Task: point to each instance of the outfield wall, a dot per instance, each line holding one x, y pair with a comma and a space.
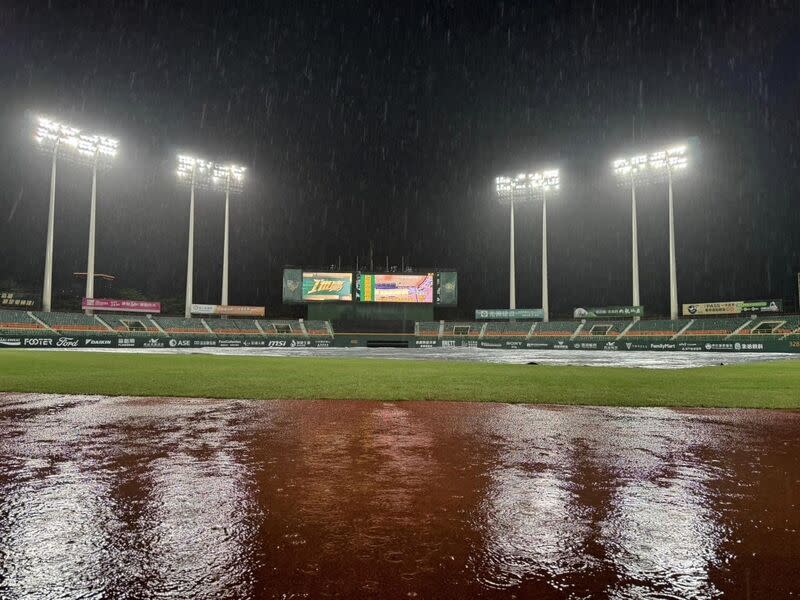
100, 341
696, 345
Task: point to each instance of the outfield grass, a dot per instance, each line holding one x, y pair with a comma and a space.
763, 385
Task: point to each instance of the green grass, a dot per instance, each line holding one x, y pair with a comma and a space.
763, 385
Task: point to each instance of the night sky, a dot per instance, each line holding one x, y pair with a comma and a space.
384, 124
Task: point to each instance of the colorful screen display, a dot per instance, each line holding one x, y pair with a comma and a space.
327, 287
397, 288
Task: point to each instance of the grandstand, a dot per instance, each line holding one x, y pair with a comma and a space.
554, 330
782, 332
763, 329
280, 328
508, 329
69, 323
233, 327
462, 330
180, 328
134, 325
714, 328
602, 331
429, 329
656, 330
318, 328
19, 322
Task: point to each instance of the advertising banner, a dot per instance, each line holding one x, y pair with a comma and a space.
397, 288
735, 307
446, 286
17, 300
506, 314
327, 287
292, 286
228, 311
134, 306
609, 312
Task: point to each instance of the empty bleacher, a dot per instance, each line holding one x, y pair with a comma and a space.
714, 328
768, 328
179, 327
18, 322
508, 329
281, 328
554, 330
462, 330
602, 330
131, 325
428, 328
317, 328
234, 327
656, 330
71, 322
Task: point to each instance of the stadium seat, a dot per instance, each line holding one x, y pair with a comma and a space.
714, 328
71, 322
554, 330
18, 322
655, 330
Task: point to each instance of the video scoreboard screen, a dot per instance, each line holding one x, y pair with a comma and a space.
327, 287
375, 287
439, 288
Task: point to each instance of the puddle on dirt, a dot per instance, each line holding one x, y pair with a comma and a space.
289, 499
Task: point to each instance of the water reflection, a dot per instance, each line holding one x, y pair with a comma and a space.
136, 498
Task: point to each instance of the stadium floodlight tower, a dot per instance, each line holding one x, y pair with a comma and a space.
97, 151
650, 168
208, 175
528, 187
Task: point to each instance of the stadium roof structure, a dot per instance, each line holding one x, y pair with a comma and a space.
527, 186
209, 175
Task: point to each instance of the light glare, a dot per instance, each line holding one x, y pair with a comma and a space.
525, 186
54, 136
210, 175
647, 168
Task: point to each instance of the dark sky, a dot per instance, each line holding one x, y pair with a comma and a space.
385, 123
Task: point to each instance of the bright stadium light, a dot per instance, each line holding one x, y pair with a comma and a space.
208, 175
68, 142
659, 166
527, 187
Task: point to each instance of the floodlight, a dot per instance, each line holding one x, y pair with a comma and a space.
652, 167
526, 186
208, 175
660, 166
72, 144
204, 174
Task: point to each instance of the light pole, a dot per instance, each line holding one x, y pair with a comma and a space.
203, 174
512, 284
643, 169
99, 148
68, 142
527, 187
225, 242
